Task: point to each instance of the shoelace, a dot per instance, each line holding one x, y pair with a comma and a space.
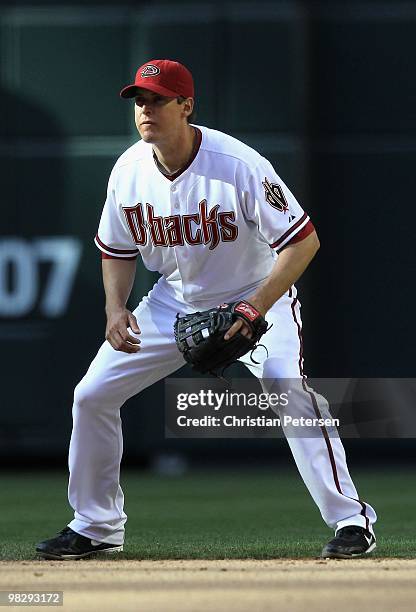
349, 531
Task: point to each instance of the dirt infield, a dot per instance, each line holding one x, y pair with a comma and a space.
214, 586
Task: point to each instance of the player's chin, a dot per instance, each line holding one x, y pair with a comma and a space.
148, 134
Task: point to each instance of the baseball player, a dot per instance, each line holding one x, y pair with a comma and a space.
211, 215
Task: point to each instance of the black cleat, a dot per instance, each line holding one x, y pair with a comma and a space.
351, 541
71, 545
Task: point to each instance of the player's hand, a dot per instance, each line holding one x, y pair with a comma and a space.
240, 325
117, 333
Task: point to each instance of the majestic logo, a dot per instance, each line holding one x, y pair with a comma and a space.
274, 195
150, 70
204, 227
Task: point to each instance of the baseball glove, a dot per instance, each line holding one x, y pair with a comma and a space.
200, 336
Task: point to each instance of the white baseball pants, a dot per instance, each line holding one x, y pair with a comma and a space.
96, 443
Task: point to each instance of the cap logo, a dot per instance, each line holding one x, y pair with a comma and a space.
150, 70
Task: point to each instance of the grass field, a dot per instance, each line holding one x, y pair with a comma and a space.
207, 515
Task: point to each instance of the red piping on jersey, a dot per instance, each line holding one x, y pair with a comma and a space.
106, 256
115, 251
289, 231
323, 428
299, 335
195, 150
304, 232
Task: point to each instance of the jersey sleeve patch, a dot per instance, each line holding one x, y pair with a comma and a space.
116, 253
274, 195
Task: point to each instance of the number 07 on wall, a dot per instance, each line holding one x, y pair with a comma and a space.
20, 282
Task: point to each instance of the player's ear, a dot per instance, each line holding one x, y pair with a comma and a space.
188, 106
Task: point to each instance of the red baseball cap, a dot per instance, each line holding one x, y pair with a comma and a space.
164, 77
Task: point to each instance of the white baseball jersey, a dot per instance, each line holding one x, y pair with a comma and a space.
215, 227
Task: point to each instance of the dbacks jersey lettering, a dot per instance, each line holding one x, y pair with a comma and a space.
204, 227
